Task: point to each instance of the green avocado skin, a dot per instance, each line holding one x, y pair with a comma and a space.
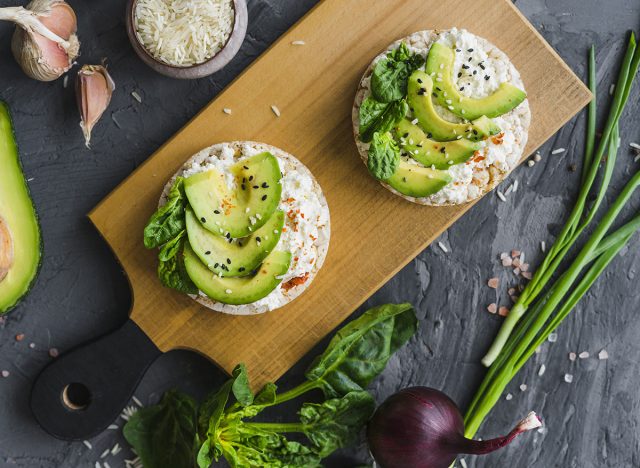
419, 92
440, 64
239, 257
431, 153
17, 210
242, 290
417, 181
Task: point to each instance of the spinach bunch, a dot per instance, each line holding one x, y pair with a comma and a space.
387, 105
383, 157
224, 427
166, 229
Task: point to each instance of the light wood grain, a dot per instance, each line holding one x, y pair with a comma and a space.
374, 233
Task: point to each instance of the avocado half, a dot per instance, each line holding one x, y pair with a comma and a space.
440, 64
20, 239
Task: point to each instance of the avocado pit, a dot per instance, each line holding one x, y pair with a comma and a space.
6, 249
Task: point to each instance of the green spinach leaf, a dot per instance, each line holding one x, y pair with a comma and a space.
380, 117
167, 222
391, 74
172, 272
361, 349
164, 435
173, 247
383, 156
335, 423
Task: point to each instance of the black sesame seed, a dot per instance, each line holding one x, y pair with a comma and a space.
228, 235
250, 178
230, 241
203, 219
228, 261
216, 211
419, 145
443, 149
243, 187
265, 185
466, 67
482, 66
239, 244
469, 50
246, 167
244, 179
461, 88
264, 197
258, 239
419, 81
470, 58
486, 77
459, 74
216, 265
429, 135
435, 94
404, 179
241, 269
438, 89
208, 252
475, 72
405, 135
255, 186
458, 50
475, 132
404, 154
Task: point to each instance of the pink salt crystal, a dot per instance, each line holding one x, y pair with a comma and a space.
53, 352
507, 262
516, 263
503, 311
527, 275
493, 283
5, 373
524, 267
512, 291
504, 255
515, 253
516, 271
492, 308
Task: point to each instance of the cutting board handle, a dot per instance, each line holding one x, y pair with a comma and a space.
84, 390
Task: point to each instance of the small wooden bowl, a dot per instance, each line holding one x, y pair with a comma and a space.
215, 63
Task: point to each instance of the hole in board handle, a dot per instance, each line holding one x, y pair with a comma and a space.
76, 396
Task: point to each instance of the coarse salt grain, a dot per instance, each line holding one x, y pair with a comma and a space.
537, 157
492, 308
531, 163
508, 397
275, 110
558, 150
552, 338
227, 111
572, 356
53, 352
298, 43
583, 355
568, 378
5, 373
602, 355
542, 370
523, 387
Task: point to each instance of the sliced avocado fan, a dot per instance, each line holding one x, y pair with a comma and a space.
233, 257
440, 64
238, 212
20, 240
236, 291
417, 181
419, 92
434, 154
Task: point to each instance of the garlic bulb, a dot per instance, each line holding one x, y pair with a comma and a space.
44, 44
6, 249
94, 88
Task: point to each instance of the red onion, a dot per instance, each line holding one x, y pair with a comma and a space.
420, 427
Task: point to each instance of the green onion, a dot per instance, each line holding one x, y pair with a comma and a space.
541, 307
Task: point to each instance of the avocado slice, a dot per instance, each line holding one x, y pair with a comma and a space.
235, 291
419, 92
234, 257
440, 64
236, 213
432, 153
417, 181
20, 240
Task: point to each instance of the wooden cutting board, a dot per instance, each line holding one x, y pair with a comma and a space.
374, 233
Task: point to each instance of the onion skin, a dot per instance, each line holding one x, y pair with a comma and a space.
421, 427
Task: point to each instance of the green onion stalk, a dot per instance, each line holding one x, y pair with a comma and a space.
542, 307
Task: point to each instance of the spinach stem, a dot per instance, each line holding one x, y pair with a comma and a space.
295, 392
277, 427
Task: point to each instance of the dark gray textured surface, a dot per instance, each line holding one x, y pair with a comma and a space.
81, 291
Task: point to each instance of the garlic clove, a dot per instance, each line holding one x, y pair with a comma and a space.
6, 249
94, 88
45, 44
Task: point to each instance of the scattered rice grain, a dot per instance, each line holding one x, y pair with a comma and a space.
602, 355
443, 247
275, 110
558, 150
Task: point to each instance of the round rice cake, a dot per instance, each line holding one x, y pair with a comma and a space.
306, 236
502, 153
